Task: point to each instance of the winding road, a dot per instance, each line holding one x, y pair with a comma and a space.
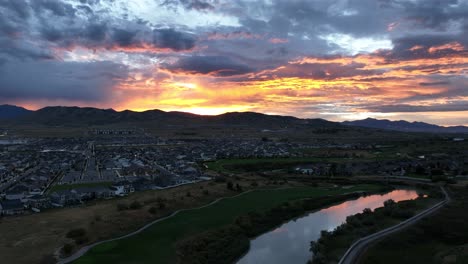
357, 248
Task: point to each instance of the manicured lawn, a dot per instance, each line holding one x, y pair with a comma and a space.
259, 164
234, 165
156, 244
74, 186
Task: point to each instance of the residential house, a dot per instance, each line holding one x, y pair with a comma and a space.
93, 192
122, 188
38, 201
17, 192
64, 197
12, 207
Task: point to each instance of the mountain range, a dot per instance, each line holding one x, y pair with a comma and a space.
405, 126
12, 111
87, 116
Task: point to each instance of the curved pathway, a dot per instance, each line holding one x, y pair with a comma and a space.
85, 249
357, 248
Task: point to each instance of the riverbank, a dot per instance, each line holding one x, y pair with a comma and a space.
442, 238
332, 245
157, 243
226, 244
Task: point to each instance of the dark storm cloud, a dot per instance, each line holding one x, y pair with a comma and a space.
104, 35
124, 38
172, 39
18, 7
59, 80
56, 7
323, 71
12, 50
60, 24
250, 41
95, 32
191, 4
434, 83
90, 2
434, 14
209, 65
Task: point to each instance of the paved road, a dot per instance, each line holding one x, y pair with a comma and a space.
354, 252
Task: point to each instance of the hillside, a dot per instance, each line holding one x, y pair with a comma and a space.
76, 116
405, 126
11, 111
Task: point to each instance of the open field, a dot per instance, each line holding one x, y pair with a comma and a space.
27, 238
236, 165
257, 164
156, 244
261, 164
441, 238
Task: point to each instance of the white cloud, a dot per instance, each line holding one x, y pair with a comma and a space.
158, 14
351, 45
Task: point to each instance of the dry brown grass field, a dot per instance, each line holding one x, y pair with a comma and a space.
28, 238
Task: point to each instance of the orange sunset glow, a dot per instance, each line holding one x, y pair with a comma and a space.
211, 58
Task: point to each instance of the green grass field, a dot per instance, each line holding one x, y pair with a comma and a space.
156, 244
235, 165
259, 164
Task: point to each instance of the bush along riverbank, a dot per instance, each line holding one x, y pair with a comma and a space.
332, 245
227, 244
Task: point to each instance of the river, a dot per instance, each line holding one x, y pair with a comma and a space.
290, 242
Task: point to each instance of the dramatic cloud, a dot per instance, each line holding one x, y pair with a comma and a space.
209, 65
84, 82
337, 59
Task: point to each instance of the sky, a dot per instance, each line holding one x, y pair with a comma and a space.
332, 59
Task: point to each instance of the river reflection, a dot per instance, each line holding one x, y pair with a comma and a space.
290, 242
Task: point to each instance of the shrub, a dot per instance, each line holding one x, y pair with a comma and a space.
81, 240
220, 179
48, 259
77, 232
122, 206
135, 205
389, 203
67, 249
153, 210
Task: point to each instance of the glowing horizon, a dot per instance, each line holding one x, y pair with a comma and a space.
209, 57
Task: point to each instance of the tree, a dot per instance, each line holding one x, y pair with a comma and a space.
389, 203
67, 249
77, 232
